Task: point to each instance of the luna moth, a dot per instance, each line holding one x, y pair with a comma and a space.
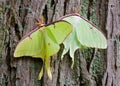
85, 34
43, 42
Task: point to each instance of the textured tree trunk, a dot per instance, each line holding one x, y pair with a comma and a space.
102, 9
18, 18
95, 60
112, 75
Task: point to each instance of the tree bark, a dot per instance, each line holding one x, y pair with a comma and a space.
112, 75
18, 18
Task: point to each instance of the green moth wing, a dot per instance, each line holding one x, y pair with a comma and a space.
28, 46
85, 34
43, 42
